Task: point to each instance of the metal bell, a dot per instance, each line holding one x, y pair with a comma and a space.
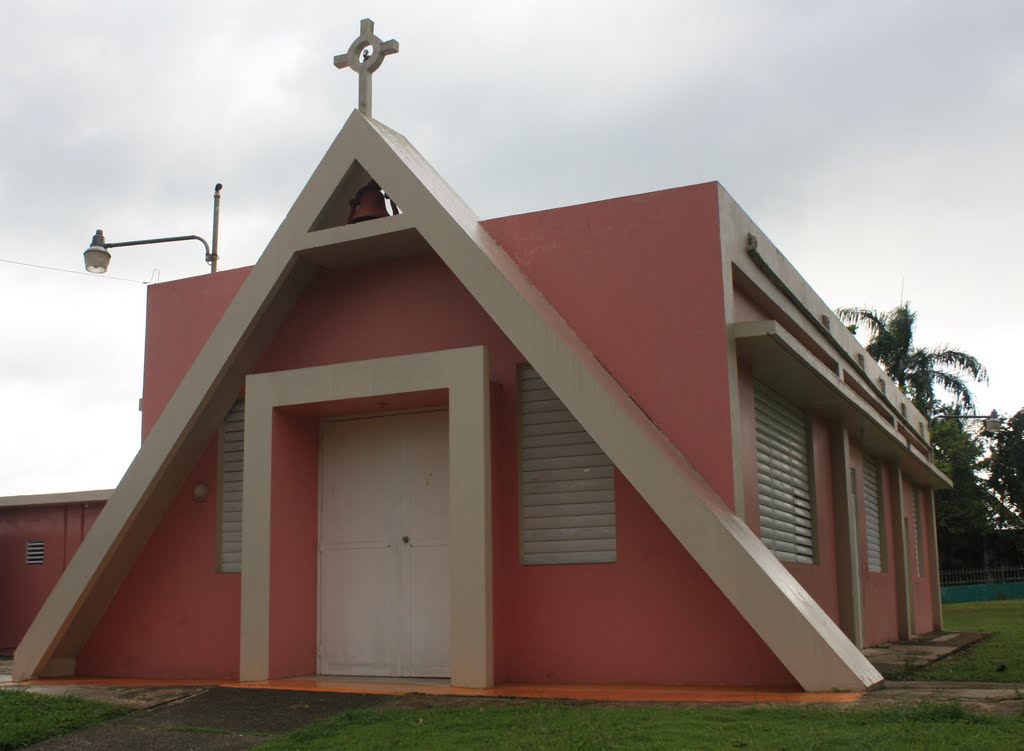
368, 204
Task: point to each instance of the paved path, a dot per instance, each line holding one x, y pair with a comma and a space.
211, 719
904, 656
988, 698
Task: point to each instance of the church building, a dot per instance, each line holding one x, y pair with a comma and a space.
617, 442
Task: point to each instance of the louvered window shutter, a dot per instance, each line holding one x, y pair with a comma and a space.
567, 483
230, 511
783, 477
873, 512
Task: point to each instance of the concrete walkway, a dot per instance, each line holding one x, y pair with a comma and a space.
210, 719
904, 656
987, 698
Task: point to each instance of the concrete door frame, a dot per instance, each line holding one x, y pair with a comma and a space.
464, 373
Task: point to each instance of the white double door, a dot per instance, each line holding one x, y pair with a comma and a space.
384, 573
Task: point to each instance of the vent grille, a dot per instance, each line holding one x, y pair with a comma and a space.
35, 552
783, 477
567, 483
230, 510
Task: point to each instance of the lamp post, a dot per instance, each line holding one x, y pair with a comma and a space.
97, 255
991, 422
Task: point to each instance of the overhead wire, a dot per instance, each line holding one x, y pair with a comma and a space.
71, 271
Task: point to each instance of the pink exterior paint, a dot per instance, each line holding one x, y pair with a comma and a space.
179, 318
174, 616
653, 616
920, 567
878, 589
293, 544
24, 588
639, 279
745, 309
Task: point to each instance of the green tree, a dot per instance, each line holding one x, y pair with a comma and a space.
963, 513
1006, 474
967, 515
919, 372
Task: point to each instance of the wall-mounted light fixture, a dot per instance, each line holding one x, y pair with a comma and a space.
97, 255
200, 492
991, 423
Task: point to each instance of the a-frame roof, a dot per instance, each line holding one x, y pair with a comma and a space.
792, 625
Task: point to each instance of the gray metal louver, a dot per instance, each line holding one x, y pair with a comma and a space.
873, 512
35, 552
783, 477
567, 483
229, 533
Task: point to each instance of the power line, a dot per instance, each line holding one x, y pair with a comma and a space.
70, 271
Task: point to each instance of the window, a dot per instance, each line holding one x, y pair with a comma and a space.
567, 483
783, 476
229, 510
35, 552
873, 517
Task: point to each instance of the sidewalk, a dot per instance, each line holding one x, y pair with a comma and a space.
903, 656
210, 719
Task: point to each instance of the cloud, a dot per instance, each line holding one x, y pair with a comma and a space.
877, 144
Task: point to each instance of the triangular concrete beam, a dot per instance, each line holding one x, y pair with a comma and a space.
790, 622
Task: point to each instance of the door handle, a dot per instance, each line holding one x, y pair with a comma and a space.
405, 538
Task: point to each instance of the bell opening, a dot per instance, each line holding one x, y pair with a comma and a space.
370, 202
354, 200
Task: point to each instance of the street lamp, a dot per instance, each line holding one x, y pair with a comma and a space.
97, 255
991, 422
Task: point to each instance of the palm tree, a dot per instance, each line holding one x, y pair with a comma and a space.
917, 371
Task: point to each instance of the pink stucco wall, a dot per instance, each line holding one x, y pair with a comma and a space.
639, 279
24, 588
179, 318
878, 589
293, 544
924, 620
651, 617
174, 616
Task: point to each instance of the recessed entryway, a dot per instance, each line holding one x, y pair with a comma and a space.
463, 373
384, 590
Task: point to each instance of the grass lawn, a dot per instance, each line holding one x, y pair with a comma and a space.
29, 718
581, 728
982, 661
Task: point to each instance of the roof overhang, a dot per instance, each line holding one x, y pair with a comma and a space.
55, 499
786, 365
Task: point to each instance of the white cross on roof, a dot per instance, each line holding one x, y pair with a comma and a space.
364, 56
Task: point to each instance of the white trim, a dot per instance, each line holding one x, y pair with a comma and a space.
55, 499
464, 373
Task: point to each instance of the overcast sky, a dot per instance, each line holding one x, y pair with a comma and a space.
879, 145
